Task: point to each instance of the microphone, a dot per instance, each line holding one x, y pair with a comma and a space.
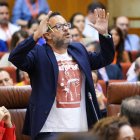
90, 97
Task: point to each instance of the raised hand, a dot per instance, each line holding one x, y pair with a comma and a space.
5, 116
42, 28
100, 21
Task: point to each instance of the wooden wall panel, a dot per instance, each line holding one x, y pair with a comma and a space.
66, 7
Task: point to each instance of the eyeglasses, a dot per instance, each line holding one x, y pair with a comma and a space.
75, 35
59, 27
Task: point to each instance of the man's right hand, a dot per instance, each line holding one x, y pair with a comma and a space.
42, 28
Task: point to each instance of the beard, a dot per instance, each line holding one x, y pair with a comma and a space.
4, 21
61, 43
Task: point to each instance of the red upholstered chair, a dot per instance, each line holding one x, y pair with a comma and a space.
125, 67
133, 55
12, 72
117, 91
15, 99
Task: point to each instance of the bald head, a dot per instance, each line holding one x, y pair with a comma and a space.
122, 22
5, 79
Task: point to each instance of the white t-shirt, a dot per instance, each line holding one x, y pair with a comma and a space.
68, 113
7, 34
90, 32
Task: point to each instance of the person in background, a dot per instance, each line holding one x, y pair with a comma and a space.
7, 129
24, 10
130, 108
7, 29
135, 76
132, 41
90, 32
75, 34
3, 46
102, 100
25, 80
78, 20
110, 72
17, 37
32, 26
5, 79
120, 54
113, 128
131, 70
93, 46
41, 16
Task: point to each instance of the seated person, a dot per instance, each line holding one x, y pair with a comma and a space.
7, 129
3, 46
132, 41
130, 108
99, 94
134, 74
113, 128
110, 72
5, 79
17, 37
121, 56
77, 36
25, 79
24, 10
93, 46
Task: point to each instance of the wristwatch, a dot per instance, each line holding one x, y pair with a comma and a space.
107, 35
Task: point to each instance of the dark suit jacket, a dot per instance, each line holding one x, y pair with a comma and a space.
41, 64
113, 72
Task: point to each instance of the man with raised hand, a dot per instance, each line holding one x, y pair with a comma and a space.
63, 97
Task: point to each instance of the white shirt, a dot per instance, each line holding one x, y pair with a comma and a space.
7, 34
103, 73
68, 113
90, 32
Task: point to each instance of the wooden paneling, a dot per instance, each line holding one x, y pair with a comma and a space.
66, 7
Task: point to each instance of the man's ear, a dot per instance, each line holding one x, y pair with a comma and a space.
47, 36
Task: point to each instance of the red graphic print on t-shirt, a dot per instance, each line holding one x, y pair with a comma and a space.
69, 85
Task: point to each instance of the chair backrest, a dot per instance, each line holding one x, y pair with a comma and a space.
125, 67
16, 99
118, 91
133, 55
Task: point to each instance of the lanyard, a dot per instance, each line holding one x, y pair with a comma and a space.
34, 12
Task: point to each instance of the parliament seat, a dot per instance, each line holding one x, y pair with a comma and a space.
16, 99
118, 91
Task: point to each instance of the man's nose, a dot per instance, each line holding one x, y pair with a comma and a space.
65, 28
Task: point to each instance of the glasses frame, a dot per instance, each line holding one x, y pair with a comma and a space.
68, 24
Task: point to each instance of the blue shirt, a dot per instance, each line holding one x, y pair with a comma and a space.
132, 42
21, 10
3, 46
